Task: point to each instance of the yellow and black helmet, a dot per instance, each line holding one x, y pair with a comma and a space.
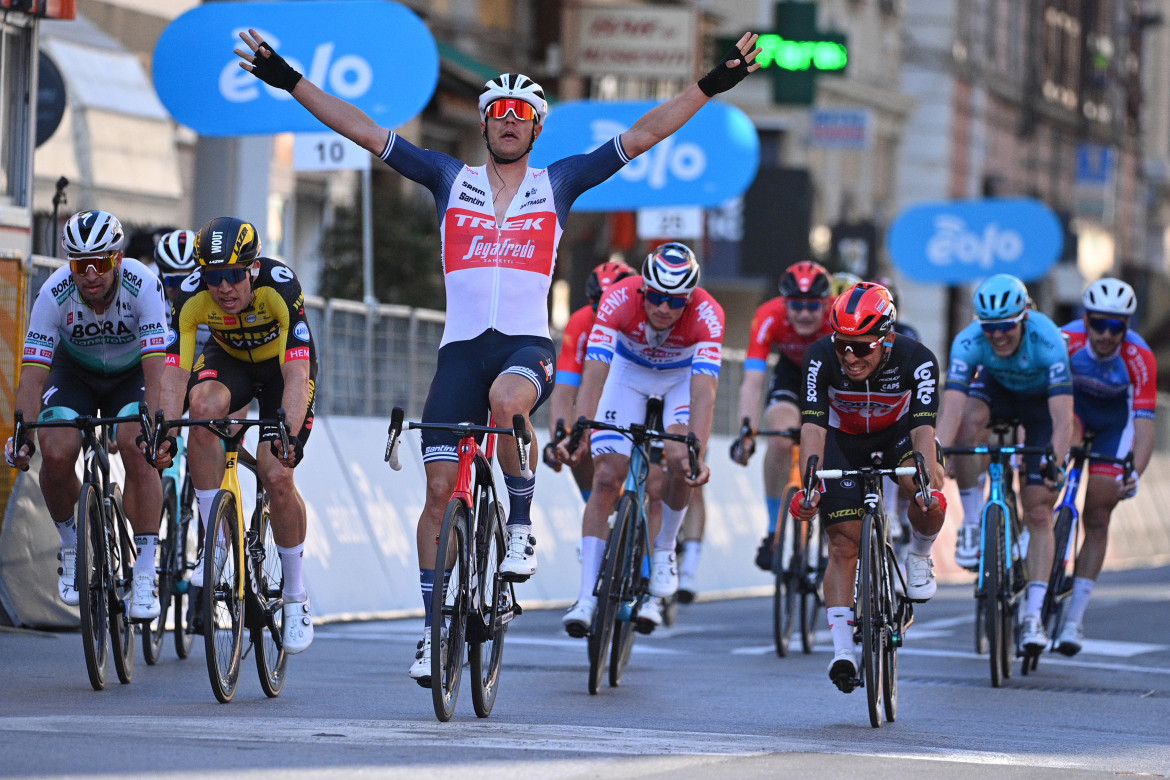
227, 241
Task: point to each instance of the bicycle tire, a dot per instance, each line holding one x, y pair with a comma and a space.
186, 592
1060, 580
869, 616
122, 629
271, 660
93, 601
634, 587
812, 599
601, 631
487, 656
223, 609
449, 609
995, 576
786, 593
154, 631
892, 608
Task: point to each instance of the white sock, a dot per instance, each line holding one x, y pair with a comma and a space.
672, 520
592, 551
841, 628
1034, 603
971, 500
919, 544
205, 498
146, 545
291, 559
692, 549
68, 532
1082, 592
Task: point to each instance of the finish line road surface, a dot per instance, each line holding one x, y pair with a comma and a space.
708, 698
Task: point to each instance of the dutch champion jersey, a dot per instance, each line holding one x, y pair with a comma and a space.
132, 327
497, 276
621, 328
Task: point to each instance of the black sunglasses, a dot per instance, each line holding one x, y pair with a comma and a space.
233, 276
658, 298
1111, 324
859, 348
798, 305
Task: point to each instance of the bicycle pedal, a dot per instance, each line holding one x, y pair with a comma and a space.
514, 578
517, 611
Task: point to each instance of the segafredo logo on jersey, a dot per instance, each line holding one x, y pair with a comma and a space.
200, 81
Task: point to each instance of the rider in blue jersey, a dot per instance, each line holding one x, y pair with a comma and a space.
1012, 363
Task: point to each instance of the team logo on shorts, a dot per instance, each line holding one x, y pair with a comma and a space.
549, 370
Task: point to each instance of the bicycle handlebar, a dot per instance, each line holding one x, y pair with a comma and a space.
638, 434
519, 432
84, 422
900, 471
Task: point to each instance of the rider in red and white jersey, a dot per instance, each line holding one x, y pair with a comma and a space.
500, 225
657, 334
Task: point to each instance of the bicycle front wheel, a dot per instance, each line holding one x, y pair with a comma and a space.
223, 608
1060, 581
155, 631
893, 609
449, 610
995, 586
634, 585
186, 541
869, 615
271, 660
608, 591
814, 561
122, 553
786, 593
91, 584
487, 656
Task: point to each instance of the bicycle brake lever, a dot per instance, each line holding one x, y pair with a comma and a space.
810, 480
523, 439
693, 454
394, 432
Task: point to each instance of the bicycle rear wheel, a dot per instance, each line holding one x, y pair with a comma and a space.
223, 607
995, 585
449, 610
91, 584
155, 631
185, 591
487, 655
271, 660
122, 554
607, 591
814, 560
869, 615
634, 585
786, 596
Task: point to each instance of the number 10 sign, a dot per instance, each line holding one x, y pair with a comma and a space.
328, 152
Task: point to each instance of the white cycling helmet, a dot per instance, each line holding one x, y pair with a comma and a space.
92, 232
1110, 296
514, 85
175, 252
672, 269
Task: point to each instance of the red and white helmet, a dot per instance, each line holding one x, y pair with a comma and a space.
864, 309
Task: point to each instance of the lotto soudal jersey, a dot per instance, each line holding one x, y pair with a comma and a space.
771, 328
623, 329
273, 325
573, 343
1038, 367
132, 327
1127, 379
497, 275
905, 386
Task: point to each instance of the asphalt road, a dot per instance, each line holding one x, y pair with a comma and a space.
707, 697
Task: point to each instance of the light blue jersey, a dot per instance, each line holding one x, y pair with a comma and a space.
1038, 367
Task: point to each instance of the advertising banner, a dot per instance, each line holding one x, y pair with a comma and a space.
377, 55
961, 241
711, 159
647, 41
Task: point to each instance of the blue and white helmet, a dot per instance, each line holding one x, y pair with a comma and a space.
1000, 297
672, 269
514, 85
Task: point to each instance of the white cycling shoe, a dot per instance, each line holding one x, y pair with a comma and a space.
579, 619
67, 581
920, 583
663, 573
520, 560
296, 631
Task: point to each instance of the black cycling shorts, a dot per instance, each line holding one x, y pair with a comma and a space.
1031, 410
82, 392
464, 376
786, 379
245, 381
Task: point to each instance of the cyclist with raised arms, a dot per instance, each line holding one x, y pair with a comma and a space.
1115, 380
658, 334
95, 344
500, 225
261, 348
1023, 373
569, 365
868, 390
789, 323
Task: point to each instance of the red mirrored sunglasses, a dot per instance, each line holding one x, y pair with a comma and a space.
518, 108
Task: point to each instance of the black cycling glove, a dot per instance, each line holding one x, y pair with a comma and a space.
722, 77
273, 70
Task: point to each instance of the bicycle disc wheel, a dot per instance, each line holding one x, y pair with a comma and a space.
449, 610
271, 660
784, 566
634, 586
607, 593
91, 585
223, 608
496, 598
891, 608
995, 576
812, 600
155, 631
869, 614
122, 629
183, 553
